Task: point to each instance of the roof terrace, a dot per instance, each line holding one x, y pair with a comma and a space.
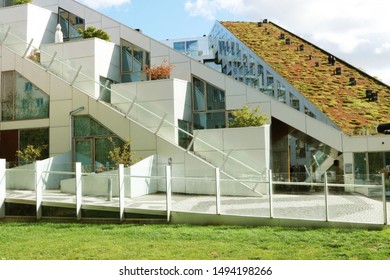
353, 100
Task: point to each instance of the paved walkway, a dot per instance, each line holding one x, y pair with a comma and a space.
342, 207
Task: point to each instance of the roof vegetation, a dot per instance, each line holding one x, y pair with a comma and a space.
337, 88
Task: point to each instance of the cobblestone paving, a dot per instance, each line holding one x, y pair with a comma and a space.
342, 207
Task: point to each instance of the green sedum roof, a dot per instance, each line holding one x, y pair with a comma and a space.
345, 104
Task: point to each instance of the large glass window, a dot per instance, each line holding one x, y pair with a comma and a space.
208, 105
368, 166
22, 100
70, 23
92, 143
36, 137
133, 62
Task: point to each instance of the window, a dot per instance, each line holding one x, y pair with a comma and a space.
70, 23
294, 101
21, 100
309, 113
208, 105
281, 92
188, 47
92, 143
133, 62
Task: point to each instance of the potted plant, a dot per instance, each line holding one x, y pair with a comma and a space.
159, 72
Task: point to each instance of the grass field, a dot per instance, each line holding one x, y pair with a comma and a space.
53, 241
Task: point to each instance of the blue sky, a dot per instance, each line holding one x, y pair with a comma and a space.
355, 30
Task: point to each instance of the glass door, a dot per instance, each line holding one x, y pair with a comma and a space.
84, 154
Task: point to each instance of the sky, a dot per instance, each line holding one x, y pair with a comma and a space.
357, 31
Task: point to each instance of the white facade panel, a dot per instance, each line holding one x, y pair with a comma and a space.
60, 140
59, 113
58, 89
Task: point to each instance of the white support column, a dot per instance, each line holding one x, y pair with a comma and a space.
326, 193
384, 199
79, 190
270, 193
121, 182
218, 191
38, 188
169, 191
2, 188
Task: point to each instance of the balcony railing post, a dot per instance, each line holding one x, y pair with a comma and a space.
79, 190
51, 62
218, 191
28, 48
161, 123
384, 199
168, 183
131, 106
2, 188
121, 182
6, 35
270, 190
75, 77
326, 193
38, 189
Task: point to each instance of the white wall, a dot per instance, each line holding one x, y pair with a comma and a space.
245, 152
141, 182
169, 96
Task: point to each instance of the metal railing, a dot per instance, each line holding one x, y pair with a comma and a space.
325, 202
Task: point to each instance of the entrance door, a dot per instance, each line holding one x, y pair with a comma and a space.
84, 154
9, 144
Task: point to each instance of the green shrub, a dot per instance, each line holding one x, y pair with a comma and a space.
246, 117
92, 32
121, 155
20, 2
30, 153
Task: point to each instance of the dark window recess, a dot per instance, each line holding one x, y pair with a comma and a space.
288, 41
338, 71
352, 81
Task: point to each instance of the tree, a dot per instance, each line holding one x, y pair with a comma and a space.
162, 71
121, 155
246, 117
30, 153
92, 32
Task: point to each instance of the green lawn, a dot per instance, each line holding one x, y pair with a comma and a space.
46, 241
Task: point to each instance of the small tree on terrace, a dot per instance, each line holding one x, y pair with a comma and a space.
92, 32
159, 72
246, 117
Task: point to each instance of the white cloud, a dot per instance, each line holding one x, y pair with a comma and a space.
101, 4
385, 47
343, 27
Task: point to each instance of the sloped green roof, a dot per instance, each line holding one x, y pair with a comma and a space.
346, 105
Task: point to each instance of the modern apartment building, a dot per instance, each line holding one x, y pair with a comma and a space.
78, 95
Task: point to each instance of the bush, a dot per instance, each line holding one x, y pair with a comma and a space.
92, 32
20, 2
30, 153
162, 71
246, 117
121, 155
